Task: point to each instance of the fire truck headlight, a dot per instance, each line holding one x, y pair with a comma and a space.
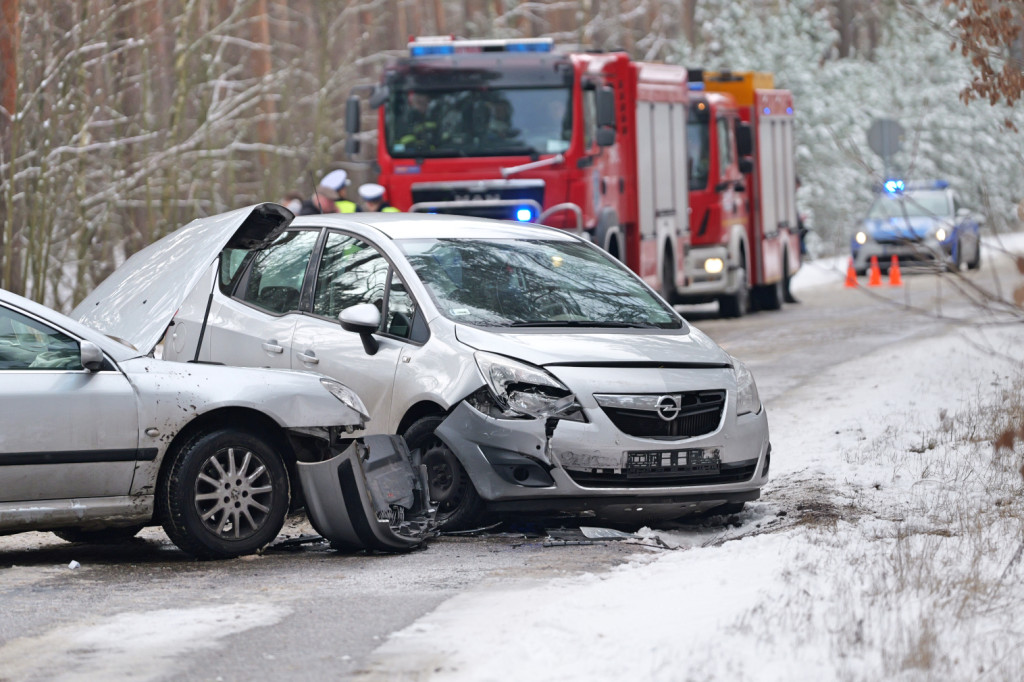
713, 266
861, 238
524, 215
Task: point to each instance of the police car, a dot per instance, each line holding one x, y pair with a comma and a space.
920, 224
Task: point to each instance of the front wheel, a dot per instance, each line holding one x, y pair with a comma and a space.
975, 261
458, 503
226, 494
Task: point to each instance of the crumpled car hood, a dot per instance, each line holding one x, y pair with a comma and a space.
137, 301
600, 348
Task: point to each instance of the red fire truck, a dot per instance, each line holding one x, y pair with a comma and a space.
513, 129
743, 220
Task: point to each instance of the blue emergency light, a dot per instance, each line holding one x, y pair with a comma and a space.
529, 47
431, 50
524, 215
894, 186
696, 85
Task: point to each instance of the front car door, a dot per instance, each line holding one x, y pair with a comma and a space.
351, 271
65, 432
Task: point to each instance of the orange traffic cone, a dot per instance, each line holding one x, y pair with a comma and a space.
895, 280
851, 276
875, 278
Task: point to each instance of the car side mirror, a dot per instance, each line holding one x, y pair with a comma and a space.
363, 319
605, 137
746, 165
91, 356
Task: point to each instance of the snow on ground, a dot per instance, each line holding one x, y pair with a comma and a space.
887, 546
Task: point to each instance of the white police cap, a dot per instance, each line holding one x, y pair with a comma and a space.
371, 191
336, 179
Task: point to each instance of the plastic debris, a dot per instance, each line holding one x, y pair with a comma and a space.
74, 564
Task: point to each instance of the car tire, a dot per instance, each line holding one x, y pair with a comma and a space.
458, 504
114, 535
975, 262
736, 304
226, 493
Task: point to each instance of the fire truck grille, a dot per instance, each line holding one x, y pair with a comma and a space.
699, 413
501, 200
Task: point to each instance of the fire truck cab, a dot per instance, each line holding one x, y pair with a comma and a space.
742, 182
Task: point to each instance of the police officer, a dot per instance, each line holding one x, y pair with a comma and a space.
372, 195
338, 180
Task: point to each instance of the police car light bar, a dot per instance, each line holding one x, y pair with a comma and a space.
429, 46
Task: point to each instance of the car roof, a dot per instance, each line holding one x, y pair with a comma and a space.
399, 226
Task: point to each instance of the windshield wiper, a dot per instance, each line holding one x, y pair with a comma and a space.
584, 323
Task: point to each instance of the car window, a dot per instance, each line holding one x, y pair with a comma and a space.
520, 282
725, 146
401, 313
28, 344
274, 281
351, 272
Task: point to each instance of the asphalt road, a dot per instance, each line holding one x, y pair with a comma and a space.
145, 611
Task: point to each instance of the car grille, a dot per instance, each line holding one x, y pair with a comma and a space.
700, 412
728, 472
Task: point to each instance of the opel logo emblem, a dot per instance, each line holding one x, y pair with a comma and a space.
668, 407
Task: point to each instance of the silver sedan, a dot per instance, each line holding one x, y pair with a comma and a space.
98, 440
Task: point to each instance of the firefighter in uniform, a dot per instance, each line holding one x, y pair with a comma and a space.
338, 181
372, 195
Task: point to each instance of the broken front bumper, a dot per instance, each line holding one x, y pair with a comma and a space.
370, 496
581, 469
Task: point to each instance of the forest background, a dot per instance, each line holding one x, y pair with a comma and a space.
121, 120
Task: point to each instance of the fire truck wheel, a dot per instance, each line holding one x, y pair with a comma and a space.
668, 279
769, 296
737, 304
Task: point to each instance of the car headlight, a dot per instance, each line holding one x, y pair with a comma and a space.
747, 399
525, 389
347, 397
941, 234
861, 238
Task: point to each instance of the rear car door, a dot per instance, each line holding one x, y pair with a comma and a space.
352, 271
254, 327
65, 432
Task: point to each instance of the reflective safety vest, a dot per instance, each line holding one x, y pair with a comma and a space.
346, 206
389, 209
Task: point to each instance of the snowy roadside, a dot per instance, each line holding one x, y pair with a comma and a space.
883, 548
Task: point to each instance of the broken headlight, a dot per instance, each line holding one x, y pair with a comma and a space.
521, 389
347, 397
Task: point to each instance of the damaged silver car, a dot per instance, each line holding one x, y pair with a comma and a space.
99, 439
530, 370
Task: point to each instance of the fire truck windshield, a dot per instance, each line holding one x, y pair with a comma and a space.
478, 121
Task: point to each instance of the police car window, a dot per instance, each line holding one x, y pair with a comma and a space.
351, 272
274, 281
26, 344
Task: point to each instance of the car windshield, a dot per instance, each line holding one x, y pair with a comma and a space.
923, 203
533, 283
478, 121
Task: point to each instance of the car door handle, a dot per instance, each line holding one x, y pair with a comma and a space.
309, 357
272, 347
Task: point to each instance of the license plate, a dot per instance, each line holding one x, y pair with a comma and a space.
695, 461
